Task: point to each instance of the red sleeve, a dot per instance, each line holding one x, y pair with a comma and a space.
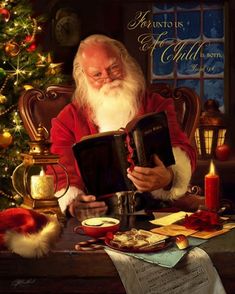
155, 102
63, 136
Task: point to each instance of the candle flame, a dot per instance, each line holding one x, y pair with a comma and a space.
212, 168
42, 173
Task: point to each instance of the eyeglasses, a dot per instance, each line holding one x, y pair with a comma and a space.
113, 72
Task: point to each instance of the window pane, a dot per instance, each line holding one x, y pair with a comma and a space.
161, 67
164, 23
193, 84
191, 25
191, 64
214, 58
214, 89
213, 23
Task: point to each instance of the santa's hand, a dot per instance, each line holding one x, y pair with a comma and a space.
85, 206
147, 179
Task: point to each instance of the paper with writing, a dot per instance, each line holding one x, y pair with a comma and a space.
196, 274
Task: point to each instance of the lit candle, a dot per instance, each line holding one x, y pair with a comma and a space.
42, 186
212, 183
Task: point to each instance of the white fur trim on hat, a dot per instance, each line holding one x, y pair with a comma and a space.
36, 244
68, 197
182, 175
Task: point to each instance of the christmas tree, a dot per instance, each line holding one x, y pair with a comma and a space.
23, 65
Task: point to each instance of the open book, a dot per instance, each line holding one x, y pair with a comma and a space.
103, 158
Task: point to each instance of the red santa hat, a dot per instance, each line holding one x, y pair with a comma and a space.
27, 232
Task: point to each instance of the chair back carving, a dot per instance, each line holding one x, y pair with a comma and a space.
187, 105
39, 107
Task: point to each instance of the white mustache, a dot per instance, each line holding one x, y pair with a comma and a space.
109, 86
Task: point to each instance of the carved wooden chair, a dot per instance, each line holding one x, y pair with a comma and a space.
187, 105
37, 106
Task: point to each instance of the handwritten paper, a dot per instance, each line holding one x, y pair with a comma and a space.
170, 219
196, 274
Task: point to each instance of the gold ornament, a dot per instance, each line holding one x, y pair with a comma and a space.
54, 68
12, 49
28, 87
3, 99
43, 60
5, 139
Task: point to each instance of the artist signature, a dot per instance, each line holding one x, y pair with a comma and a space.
22, 282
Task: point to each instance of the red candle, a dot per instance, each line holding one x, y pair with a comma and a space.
212, 181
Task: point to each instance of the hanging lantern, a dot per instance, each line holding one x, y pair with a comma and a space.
32, 183
211, 130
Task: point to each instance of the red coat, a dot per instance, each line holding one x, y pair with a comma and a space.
73, 123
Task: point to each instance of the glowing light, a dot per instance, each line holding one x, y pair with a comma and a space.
17, 71
212, 168
18, 128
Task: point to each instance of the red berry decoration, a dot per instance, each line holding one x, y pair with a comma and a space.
28, 39
32, 47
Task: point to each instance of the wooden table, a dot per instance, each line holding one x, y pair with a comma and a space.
66, 270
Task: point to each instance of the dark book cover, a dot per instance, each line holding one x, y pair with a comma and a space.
103, 158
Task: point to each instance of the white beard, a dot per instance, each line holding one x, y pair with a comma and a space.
113, 105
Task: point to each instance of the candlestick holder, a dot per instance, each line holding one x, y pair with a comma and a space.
31, 182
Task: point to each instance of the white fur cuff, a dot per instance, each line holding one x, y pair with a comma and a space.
182, 175
68, 197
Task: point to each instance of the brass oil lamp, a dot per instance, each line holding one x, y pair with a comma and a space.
32, 183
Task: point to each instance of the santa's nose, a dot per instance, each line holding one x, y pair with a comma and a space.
107, 77
108, 80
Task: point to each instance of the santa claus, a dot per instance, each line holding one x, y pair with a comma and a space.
110, 91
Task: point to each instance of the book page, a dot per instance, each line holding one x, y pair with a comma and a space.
196, 274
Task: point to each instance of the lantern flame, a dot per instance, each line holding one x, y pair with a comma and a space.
212, 168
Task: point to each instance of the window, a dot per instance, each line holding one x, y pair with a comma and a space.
189, 47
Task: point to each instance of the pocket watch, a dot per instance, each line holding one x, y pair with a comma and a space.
67, 28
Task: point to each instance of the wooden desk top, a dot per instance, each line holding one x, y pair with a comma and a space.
66, 270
